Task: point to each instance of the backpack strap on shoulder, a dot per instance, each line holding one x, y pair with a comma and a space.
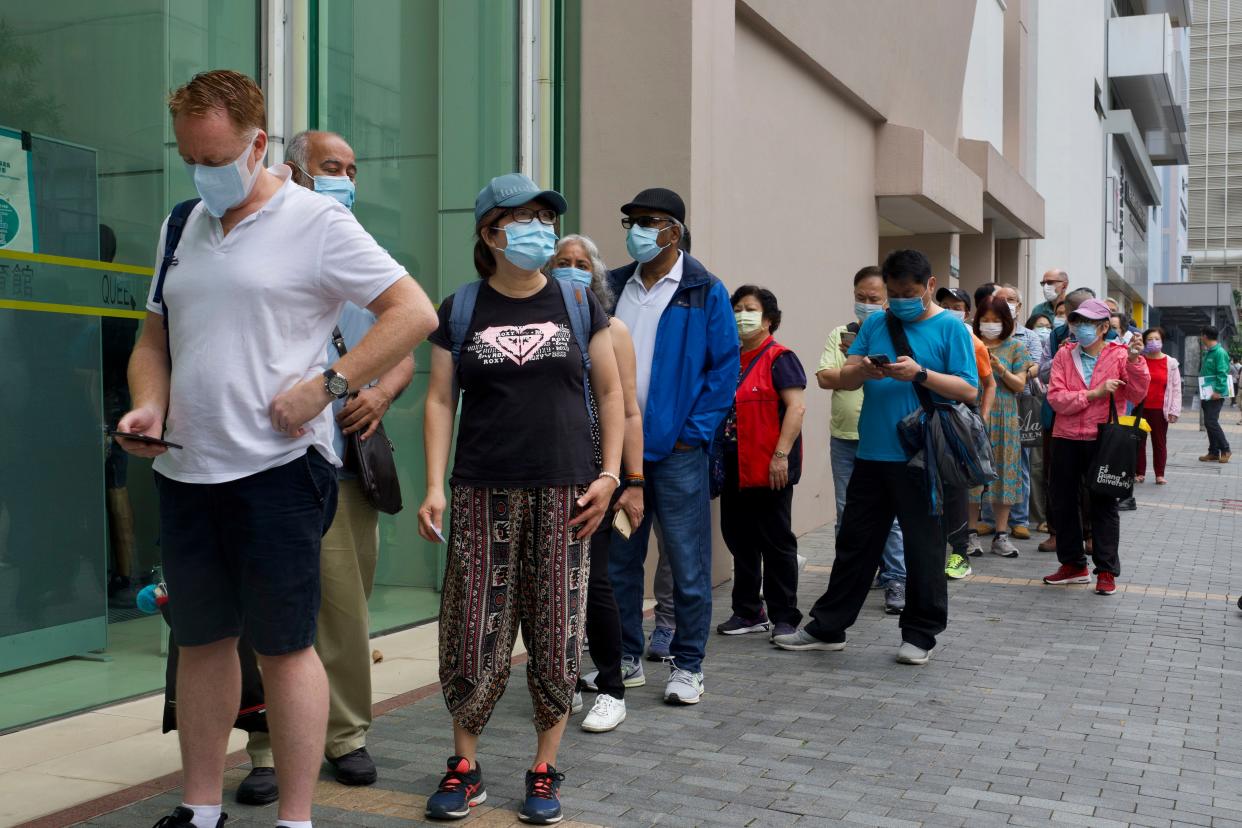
464, 300
901, 344
578, 306
172, 237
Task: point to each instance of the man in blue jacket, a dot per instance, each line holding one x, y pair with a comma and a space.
686, 347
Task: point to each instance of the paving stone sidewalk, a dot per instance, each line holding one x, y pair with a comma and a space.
1042, 706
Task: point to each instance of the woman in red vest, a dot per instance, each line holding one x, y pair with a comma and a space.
763, 460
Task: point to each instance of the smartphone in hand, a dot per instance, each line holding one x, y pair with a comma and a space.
142, 438
878, 360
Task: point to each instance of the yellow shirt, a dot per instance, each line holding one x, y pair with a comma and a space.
846, 405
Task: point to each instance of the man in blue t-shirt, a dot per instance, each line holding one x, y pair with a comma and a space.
883, 486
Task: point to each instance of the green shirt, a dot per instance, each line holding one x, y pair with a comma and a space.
1214, 367
846, 405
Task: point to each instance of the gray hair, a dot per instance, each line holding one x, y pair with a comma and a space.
599, 271
298, 149
1016, 292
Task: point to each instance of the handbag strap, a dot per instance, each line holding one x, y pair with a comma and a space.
762, 351
1113, 419
897, 333
338, 340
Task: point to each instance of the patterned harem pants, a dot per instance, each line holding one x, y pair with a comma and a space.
512, 560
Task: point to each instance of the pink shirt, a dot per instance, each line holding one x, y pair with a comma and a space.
1078, 418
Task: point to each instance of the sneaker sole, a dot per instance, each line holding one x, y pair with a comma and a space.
1106, 591
893, 610
824, 646
1012, 554
1085, 579
914, 662
669, 699
477, 800
541, 820
960, 575
634, 682
598, 729
743, 630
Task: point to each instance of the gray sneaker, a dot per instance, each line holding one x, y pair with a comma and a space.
576, 707
907, 653
895, 597
803, 640
1003, 546
973, 547
683, 687
631, 675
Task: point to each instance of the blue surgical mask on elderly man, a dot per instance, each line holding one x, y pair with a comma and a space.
530, 244
864, 309
338, 187
573, 275
642, 245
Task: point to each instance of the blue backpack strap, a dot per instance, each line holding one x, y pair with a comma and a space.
464, 300
172, 237
578, 306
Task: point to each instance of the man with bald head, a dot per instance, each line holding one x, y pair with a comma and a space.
1054, 284
325, 162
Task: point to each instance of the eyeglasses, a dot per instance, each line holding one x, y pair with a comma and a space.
1053, 282
646, 222
523, 215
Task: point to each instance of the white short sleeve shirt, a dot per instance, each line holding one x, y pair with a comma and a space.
248, 316
640, 309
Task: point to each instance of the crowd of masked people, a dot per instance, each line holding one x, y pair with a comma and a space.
585, 409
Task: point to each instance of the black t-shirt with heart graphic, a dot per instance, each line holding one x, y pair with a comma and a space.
524, 421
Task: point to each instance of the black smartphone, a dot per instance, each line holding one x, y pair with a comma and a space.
878, 360
142, 438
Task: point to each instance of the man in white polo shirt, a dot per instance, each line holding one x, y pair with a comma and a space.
229, 366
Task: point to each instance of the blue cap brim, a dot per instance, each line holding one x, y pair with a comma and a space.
554, 200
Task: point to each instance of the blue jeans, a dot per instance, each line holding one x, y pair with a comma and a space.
893, 561
1020, 512
677, 496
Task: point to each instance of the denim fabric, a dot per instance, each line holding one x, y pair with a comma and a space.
676, 496
843, 454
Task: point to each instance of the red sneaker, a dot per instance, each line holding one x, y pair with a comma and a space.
1105, 584
1069, 575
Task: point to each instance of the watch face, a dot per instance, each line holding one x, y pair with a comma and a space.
338, 386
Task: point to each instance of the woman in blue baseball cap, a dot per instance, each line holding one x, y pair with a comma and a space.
533, 358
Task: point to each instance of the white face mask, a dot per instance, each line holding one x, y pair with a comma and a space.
1013, 310
991, 330
959, 315
1050, 292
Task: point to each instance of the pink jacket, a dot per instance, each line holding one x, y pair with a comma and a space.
1079, 417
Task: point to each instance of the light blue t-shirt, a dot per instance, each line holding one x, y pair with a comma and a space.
940, 343
1088, 365
354, 324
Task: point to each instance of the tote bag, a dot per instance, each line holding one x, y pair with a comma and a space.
1116, 456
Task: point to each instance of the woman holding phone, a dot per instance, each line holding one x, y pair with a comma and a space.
527, 491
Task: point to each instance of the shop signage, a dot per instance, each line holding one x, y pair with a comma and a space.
17, 222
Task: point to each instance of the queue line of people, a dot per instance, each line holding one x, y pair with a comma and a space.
594, 405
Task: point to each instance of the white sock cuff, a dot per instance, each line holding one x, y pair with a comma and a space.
205, 816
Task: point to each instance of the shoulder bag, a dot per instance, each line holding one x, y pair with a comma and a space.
372, 459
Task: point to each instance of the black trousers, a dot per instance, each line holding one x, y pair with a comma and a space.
1217, 444
755, 525
603, 621
877, 493
955, 519
1071, 461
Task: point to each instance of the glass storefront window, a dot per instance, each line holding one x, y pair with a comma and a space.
82, 89
425, 92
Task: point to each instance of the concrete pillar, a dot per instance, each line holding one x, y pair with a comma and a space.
978, 258
1008, 262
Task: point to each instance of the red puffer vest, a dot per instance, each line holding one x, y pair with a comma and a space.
759, 413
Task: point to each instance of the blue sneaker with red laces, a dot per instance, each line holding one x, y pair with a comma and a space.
460, 790
543, 801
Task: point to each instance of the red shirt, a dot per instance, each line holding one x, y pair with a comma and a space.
1159, 369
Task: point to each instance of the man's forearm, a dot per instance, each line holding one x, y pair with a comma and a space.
392, 338
149, 378
950, 387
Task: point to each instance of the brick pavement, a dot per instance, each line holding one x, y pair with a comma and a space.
1042, 705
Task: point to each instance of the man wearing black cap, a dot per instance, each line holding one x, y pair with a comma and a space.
686, 347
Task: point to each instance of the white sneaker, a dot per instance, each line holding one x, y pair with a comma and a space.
908, 653
576, 707
683, 687
607, 713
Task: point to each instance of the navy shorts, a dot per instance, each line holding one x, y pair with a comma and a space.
245, 554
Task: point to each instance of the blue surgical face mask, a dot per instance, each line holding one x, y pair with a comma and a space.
1086, 334
907, 310
338, 187
1044, 333
1060, 322
223, 188
864, 309
641, 243
574, 275
530, 245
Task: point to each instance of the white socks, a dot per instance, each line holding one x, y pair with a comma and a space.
205, 816
288, 823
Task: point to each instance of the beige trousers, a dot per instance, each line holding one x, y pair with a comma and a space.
347, 562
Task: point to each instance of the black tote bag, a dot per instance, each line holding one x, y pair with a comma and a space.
1116, 455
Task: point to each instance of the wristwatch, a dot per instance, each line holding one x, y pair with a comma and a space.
921, 376
780, 455
335, 384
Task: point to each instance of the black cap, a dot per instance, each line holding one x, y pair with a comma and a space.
658, 198
956, 293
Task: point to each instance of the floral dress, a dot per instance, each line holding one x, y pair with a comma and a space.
1003, 427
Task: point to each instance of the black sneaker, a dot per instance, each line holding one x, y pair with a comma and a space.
259, 787
1126, 504
460, 790
183, 816
354, 768
543, 801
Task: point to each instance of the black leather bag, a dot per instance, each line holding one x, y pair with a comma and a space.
372, 459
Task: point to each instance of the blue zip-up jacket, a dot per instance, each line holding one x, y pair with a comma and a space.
695, 367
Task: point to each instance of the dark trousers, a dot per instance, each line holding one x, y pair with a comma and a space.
1159, 442
755, 525
603, 620
877, 493
1071, 462
955, 519
1217, 444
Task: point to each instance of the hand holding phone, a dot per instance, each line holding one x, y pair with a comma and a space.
878, 360
142, 438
